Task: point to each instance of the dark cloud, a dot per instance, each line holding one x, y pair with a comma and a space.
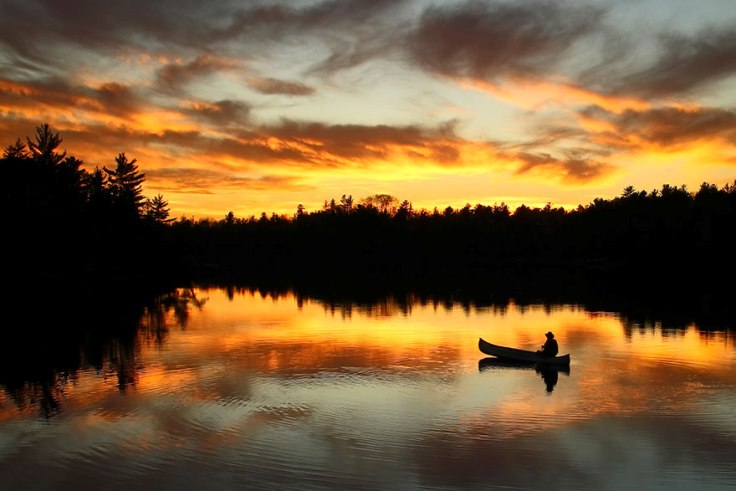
45, 38
194, 145
29, 26
298, 143
580, 157
284, 87
175, 75
221, 113
572, 169
290, 144
328, 14
201, 181
552, 134
313, 144
684, 64
98, 139
37, 31
488, 40
351, 31
59, 95
359, 142
112, 99
492, 40
259, 150
667, 127
52, 93
117, 99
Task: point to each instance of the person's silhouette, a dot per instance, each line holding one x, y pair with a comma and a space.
549, 348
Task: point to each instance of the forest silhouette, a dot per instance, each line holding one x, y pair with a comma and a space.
71, 227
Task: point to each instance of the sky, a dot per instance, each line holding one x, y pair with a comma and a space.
259, 106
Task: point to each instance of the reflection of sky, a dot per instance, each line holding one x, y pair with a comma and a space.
258, 390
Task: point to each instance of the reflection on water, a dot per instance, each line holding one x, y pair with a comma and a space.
549, 374
242, 389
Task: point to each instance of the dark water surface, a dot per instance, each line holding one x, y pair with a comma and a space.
241, 390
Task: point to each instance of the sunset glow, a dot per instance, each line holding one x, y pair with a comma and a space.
261, 106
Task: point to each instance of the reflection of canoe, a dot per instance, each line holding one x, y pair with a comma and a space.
520, 355
548, 371
491, 362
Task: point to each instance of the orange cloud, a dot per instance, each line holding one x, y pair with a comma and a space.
534, 94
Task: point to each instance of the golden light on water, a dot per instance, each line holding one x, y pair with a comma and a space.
285, 335
690, 346
403, 328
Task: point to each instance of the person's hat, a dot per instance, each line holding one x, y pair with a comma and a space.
549, 334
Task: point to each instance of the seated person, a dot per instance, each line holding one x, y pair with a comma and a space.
549, 348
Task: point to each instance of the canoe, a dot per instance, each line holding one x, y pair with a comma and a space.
520, 355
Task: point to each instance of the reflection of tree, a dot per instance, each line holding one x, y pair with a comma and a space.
36, 365
122, 359
154, 326
176, 302
44, 394
670, 313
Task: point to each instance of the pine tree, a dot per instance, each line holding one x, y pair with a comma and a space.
44, 148
17, 150
157, 209
125, 182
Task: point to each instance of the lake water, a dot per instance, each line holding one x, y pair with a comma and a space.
236, 389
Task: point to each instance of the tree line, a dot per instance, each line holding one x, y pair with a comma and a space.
639, 237
66, 223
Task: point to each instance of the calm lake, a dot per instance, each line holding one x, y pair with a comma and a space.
239, 389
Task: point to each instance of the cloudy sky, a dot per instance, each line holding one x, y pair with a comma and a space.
253, 106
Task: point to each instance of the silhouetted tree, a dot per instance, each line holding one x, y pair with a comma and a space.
70, 226
346, 204
384, 203
125, 183
16, 150
98, 195
157, 210
43, 149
